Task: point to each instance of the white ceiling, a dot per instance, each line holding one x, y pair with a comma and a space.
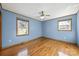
32, 9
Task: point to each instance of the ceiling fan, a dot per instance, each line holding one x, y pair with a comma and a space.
43, 14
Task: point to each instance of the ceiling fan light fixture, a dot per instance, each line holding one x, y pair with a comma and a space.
42, 17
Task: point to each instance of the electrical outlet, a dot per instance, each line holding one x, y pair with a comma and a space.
10, 41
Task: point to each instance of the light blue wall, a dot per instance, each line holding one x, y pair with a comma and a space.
78, 28
50, 30
9, 37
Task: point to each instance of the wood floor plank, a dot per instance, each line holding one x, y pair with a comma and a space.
45, 47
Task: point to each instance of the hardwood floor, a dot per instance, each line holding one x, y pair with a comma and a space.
44, 47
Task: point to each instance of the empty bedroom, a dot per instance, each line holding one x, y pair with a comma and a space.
39, 29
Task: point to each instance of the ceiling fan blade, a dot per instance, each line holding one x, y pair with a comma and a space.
42, 13
47, 15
